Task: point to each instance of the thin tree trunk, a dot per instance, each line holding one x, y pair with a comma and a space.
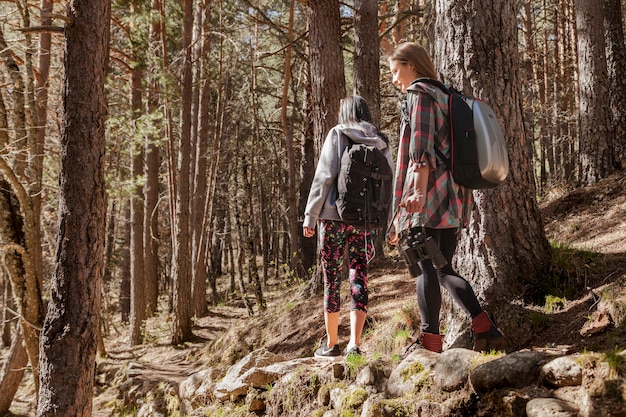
596, 156
241, 244
616, 62
7, 316
181, 264
201, 190
366, 55
151, 189
12, 371
533, 117
125, 291
37, 153
137, 276
287, 128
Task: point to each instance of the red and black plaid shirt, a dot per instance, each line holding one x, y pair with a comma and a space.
423, 126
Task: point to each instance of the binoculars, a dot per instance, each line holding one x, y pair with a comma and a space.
417, 247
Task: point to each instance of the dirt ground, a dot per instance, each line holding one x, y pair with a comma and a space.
586, 226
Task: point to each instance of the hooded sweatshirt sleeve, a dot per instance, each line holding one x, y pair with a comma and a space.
323, 188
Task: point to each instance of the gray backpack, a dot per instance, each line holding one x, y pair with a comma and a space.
479, 158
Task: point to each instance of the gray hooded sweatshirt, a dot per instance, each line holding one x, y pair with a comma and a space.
323, 194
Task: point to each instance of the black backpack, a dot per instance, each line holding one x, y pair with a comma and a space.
365, 186
479, 158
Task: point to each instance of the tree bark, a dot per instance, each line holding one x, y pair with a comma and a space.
328, 84
137, 275
125, 292
504, 254
596, 159
182, 273
70, 331
616, 66
201, 190
366, 55
151, 189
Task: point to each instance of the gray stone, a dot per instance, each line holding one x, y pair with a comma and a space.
550, 407
366, 376
337, 396
516, 370
576, 395
197, 389
411, 372
562, 372
238, 378
452, 369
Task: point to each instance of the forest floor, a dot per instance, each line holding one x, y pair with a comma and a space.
587, 230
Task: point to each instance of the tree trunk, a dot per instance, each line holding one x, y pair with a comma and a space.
7, 317
616, 65
37, 152
70, 331
502, 260
151, 189
137, 276
16, 233
596, 160
307, 172
367, 69
328, 85
125, 270
12, 371
19, 266
200, 200
366, 58
182, 273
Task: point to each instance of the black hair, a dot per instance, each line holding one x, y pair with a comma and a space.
354, 110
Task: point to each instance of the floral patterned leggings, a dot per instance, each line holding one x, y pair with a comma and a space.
334, 235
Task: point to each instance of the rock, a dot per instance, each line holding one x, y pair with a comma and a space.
366, 376
562, 372
515, 370
599, 322
337, 396
431, 409
578, 396
452, 369
375, 375
244, 373
550, 407
411, 372
254, 401
197, 389
369, 405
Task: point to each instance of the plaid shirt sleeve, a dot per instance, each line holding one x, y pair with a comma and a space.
423, 127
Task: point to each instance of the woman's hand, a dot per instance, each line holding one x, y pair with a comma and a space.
308, 231
414, 203
392, 238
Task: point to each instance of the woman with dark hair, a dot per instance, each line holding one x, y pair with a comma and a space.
429, 203
356, 125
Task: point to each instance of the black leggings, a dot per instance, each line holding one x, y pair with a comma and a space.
429, 283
